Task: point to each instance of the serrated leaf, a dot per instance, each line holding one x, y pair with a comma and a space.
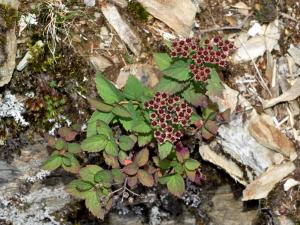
142, 157
123, 157
104, 129
162, 60
131, 169
104, 177
67, 133
107, 91
179, 169
95, 143
145, 178
182, 153
112, 148
118, 176
92, 202
60, 144
126, 143
214, 85
111, 160
144, 139
141, 126
179, 70
134, 89
164, 179
88, 172
101, 106
132, 181
176, 185
53, 162
73, 148
195, 98
164, 164
84, 185
71, 188
164, 149
70, 163
121, 111
92, 123
170, 86
191, 164
209, 129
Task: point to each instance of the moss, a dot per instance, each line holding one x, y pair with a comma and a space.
9, 14
137, 11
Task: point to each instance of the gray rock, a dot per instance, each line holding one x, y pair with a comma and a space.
90, 3
120, 3
8, 173
8, 48
99, 62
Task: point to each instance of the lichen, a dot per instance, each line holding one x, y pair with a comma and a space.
9, 14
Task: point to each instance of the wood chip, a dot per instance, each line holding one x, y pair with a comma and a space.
291, 94
127, 35
263, 184
262, 129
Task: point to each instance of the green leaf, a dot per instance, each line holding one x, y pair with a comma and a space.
104, 177
145, 178
176, 185
118, 176
95, 143
53, 162
177, 166
112, 148
134, 89
131, 169
122, 157
121, 111
144, 139
92, 202
70, 163
104, 129
191, 164
84, 185
126, 143
165, 179
164, 149
193, 97
214, 85
107, 91
170, 86
164, 164
142, 157
162, 60
179, 70
71, 188
99, 105
74, 148
60, 144
141, 126
88, 172
91, 126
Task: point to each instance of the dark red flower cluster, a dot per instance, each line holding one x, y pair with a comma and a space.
214, 51
169, 115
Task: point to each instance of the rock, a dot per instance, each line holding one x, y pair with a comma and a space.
120, 3
264, 183
147, 74
223, 162
283, 220
99, 62
289, 183
11, 107
90, 3
8, 173
229, 211
8, 47
256, 46
262, 129
242, 8
23, 63
40, 201
177, 14
295, 53
127, 35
